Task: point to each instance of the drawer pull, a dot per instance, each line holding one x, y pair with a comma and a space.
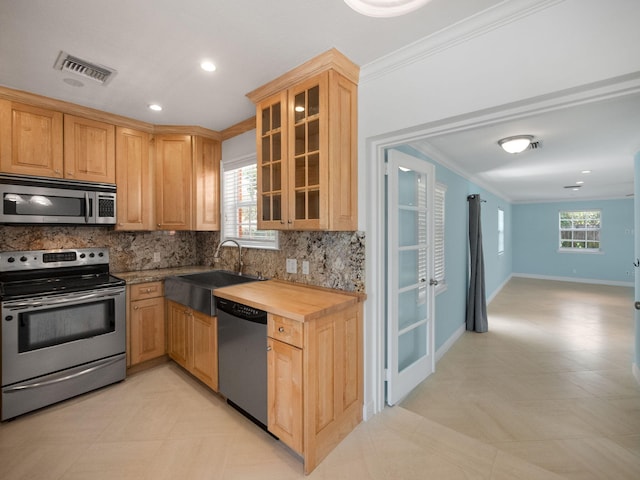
281, 329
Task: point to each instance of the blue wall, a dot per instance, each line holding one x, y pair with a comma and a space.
535, 242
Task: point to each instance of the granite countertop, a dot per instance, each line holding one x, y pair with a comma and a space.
143, 276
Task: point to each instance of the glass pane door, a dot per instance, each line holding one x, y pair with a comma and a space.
409, 269
271, 163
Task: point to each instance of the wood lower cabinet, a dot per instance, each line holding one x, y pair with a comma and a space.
146, 322
30, 140
193, 342
315, 381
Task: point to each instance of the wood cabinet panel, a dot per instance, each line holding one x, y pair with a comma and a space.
134, 180
206, 164
284, 392
173, 182
31, 140
147, 329
193, 342
89, 150
178, 321
205, 345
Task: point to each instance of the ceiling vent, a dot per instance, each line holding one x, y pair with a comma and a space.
83, 68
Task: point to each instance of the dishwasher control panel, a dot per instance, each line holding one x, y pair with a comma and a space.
239, 310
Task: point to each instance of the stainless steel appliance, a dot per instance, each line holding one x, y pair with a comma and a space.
39, 200
242, 358
63, 326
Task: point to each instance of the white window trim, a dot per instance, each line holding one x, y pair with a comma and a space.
226, 165
589, 251
500, 231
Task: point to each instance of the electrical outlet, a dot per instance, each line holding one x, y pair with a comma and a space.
292, 265
305, 267
156, 257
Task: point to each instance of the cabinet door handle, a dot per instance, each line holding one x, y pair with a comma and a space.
268, 348
136, 308
281, 329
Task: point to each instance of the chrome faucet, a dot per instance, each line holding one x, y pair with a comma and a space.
216, 256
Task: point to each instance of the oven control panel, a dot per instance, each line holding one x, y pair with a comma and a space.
38, 259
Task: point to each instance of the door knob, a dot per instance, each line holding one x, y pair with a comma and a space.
637, 305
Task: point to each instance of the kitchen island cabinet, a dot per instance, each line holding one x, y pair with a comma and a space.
314, 360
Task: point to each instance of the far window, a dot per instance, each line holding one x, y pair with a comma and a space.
580, 230
239, 205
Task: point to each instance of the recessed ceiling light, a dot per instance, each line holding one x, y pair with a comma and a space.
579, 182
155, 107
586, 172
207, 66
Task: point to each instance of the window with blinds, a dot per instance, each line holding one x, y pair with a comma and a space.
239, 205
438, 236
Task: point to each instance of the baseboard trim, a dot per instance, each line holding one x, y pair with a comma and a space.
594, 281
444, 348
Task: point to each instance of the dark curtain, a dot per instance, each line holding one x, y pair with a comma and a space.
476, 302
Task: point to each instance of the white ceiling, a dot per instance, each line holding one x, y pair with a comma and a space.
156, 47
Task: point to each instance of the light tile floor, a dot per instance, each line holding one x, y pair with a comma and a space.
514, 403
550, 383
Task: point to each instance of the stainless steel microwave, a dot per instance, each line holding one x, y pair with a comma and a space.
48, 201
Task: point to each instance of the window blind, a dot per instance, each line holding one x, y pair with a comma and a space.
239, 205
438, 226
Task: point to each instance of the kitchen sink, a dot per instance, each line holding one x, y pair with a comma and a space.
195, 290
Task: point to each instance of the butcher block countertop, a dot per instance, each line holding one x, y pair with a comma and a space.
292, 300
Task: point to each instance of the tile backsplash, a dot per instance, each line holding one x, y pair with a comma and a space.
336, 259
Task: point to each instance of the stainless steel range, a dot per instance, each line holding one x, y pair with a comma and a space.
63, 326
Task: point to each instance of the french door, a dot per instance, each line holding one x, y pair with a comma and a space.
410, 288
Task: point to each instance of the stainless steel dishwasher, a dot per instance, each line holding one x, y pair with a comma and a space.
242, 358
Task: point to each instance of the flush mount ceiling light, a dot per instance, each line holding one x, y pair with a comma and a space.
207, 66
516, 144
155, 107
385, 8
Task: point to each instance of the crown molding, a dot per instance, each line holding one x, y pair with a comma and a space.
501, 14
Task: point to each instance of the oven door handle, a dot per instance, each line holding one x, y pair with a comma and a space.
60, 301
53, 381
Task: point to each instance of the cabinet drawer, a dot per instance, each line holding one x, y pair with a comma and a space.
141, 291
285, 330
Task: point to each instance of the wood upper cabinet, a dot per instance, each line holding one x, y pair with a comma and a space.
89, 150
206, 169
307, 147
193, 342
30, 140
134, 180
187, 182
173, 182
146, 322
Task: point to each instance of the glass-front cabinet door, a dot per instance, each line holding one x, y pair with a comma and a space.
272, 154
308, 148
